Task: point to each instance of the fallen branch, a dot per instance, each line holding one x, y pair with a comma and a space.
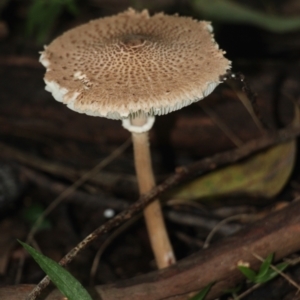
20, 61
277, 233
99, 200
182, 173
60, 170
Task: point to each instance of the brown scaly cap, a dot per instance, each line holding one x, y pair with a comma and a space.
131, 63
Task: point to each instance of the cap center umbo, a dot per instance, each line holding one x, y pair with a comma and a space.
133, 41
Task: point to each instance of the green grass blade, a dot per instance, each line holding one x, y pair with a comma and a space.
282, 266
72, 7
202, 294
250, 274
32, 213
265, 266
42, 16
65, 282
271, 273
234, 12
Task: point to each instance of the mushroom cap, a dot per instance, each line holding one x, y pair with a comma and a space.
132, 63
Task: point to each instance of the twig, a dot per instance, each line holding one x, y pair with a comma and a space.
248, 291
219, 225
286, 277
182, 173
57, 169
216, 264
107, 242
67, 192
20, 61
219, 122
76, 185
277, 232
248, 98
254, 287
100, 199
201, 221
292, 261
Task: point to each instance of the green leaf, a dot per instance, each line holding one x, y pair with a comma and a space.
282, 266
65, 282
202, 294
270, 274
71, 7
233, 290
32, 213
3, 3
234, 12
263, 174
265, 266
43, 14
250, 274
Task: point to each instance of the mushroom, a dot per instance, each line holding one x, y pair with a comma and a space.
133, 66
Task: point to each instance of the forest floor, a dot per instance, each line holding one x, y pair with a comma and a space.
45, 148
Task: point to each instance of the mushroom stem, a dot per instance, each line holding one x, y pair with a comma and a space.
158, 235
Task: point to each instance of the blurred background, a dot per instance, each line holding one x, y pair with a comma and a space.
44, 146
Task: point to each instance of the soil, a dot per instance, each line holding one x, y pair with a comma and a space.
45, 147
